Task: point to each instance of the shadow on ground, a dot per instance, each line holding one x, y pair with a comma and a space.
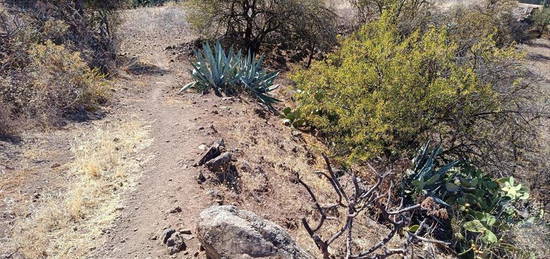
140, 68
539, 45
538, 57
10, 138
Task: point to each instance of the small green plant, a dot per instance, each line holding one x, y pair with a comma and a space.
482, 207
231, 73
292, 118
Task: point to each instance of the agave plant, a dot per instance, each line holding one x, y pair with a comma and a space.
424, 178
231, 73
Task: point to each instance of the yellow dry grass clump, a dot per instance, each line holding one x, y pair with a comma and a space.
69, 224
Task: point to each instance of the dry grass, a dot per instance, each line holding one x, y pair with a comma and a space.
268, 154
69, 224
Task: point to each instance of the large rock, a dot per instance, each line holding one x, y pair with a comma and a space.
227, 232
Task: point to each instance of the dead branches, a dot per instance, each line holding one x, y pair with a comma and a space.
355, 199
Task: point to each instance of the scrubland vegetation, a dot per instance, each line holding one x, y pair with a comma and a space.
429, 112
408, 73
55, 57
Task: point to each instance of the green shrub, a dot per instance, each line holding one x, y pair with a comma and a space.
384, 94
292, 118
231, 73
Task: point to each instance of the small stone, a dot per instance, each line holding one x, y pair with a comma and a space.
203, 147
219, 162
185, 231
214, 151
176, 210
167, 233
200, 178
175, 243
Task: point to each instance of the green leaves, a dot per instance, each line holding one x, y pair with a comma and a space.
487, 236
427, 177
512, 190
474, 226
231, 73
482, 206
292, 118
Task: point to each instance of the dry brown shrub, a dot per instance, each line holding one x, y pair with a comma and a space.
55, 81
51, 54
5, 120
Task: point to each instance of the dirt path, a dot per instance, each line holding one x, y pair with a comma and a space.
168, 179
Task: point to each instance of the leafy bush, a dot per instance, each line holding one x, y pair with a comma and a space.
380, 94
383, 94
303, 26
482, 208
231, 73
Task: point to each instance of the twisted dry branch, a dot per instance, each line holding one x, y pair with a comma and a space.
356, 201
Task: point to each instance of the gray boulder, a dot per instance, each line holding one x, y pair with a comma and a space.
227, 232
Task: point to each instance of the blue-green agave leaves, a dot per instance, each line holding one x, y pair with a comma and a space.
425, 179
231, 73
